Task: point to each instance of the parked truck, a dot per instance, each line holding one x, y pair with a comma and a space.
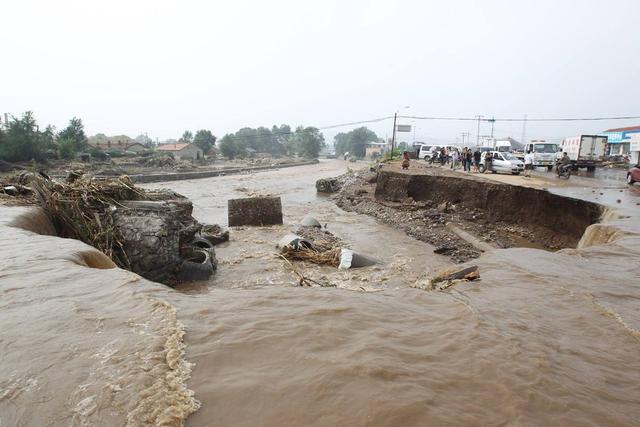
544, 153
585, 151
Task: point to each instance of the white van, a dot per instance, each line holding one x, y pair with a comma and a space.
426, 151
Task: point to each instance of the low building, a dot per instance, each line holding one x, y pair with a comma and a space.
182, 150
118, 143
619, 139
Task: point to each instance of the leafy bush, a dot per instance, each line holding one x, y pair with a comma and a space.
397, 154
66, 148
96, 153
115, 153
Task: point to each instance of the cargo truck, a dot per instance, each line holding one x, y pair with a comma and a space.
585, 151
544, 153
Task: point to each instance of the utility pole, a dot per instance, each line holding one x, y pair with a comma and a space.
492, 120
393, 138
463, 135
478, 135
524, 130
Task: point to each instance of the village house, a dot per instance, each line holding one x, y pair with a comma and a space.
118, 143
182, 150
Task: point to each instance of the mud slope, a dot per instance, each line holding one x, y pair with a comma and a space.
553, 214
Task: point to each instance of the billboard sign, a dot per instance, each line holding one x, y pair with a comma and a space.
403, 128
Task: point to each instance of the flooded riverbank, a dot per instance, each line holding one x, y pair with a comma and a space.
543, 338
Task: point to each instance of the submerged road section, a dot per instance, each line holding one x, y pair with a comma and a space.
542, 338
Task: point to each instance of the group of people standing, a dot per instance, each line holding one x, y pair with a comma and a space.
465, 157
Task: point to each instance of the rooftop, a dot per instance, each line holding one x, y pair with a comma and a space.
626, 129
172, 147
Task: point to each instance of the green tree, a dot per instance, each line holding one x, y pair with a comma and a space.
49, 138
74, 136
264, 140
21, 140
281, 138
341, 142
355, 141
228, 146
66, 148
309, 141
205, 140
359, 139
187, 137
248, 137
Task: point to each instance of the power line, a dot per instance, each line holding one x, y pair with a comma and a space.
381, 119
556, 119
276, 134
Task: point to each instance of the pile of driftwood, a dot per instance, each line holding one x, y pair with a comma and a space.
330, 257
83, 209
314, 244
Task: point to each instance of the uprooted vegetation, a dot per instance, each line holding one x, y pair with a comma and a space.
151, 233
439, 209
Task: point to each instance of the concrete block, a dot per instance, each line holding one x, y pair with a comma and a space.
255, 211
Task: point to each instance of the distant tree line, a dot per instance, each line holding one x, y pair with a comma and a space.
354, 142
304, 141
22, 140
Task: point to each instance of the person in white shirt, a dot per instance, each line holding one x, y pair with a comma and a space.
528, 164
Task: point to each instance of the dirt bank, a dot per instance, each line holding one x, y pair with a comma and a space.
439, 208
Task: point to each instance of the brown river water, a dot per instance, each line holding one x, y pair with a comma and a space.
543, 338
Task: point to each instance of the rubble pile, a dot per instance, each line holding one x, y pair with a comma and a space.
327, 185
158, 161
16, 189
314, 244
422, 220
150, 233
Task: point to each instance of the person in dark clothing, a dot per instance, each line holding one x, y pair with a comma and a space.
468, 159
488, 162
443, 156
476, 161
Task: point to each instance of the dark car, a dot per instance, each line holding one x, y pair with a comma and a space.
633, 175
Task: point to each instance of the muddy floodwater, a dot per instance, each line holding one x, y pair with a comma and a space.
544, 338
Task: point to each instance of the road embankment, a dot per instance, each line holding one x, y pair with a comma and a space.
178, 176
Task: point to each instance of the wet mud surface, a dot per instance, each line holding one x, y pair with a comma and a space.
542, 338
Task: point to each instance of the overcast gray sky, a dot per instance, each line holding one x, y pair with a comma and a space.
165, 66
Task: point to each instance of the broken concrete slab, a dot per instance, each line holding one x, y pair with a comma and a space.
351, 259
153, 233
255, 211
294, 241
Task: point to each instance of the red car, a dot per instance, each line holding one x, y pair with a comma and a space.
633, 175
